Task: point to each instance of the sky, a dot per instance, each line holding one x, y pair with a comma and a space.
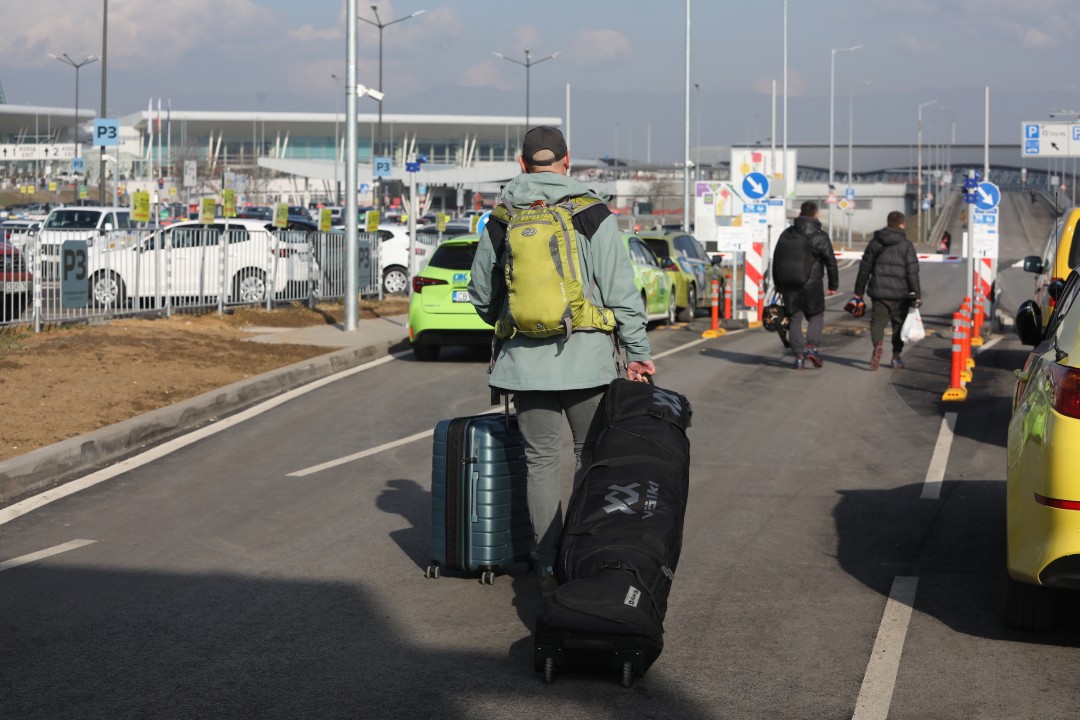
624, 61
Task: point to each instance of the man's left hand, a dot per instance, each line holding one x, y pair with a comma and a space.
637, 370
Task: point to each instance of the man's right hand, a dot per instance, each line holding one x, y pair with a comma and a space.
638, 370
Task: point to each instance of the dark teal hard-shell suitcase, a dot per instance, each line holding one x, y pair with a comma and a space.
479, 509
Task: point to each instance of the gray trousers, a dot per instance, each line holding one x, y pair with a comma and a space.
888, 312
540, 416
815, 327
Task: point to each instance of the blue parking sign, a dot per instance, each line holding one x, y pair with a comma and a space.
1031, 131
1031, 147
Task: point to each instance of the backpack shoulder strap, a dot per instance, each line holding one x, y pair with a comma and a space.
497, 224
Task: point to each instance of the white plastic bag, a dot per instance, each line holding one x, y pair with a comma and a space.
912, 331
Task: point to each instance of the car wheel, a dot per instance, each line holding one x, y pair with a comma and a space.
249, 286
687, 313
671, 309
107, 290
425, 352
1028, 607
395, 280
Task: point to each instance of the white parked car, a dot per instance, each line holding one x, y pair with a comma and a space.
185, 260
96, 225
394, 257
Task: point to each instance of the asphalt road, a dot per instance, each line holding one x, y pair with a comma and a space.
815, 582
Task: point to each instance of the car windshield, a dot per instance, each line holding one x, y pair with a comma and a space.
74, 219
453, 257
659, 247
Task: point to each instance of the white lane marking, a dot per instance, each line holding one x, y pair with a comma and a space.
994, 340
42, 554
935, 474
692, 343
875, 695
33, 503
362, 454
428, 433
376, 450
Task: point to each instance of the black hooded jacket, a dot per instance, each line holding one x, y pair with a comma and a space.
811, 299
889, 269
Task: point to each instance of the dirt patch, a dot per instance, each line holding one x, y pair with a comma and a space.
70, 380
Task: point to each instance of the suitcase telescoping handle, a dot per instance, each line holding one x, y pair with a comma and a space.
473, 515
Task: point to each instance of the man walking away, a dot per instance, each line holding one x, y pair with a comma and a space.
566, 373
889, 272
803, 254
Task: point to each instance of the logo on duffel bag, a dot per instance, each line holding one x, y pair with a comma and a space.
632, 597
669, 400
622, 497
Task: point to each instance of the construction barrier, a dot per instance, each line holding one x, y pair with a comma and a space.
984, 277
755, 278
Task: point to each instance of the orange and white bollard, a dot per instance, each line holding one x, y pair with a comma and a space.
956, 391
727, 299
979, 319
715, 331
968, 327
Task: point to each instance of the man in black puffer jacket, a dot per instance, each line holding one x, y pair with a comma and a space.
889, 271
803, 254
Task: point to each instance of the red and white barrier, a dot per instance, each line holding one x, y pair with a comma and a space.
755, 274
984, 276
853, 255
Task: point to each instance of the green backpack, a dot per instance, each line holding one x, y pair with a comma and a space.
545, 293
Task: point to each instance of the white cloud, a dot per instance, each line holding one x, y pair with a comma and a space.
916, 45
600, 46
308, 33
485, 75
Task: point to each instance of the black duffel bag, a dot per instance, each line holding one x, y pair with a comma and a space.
621, 540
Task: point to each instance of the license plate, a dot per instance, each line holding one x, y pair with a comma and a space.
23, 286
461, 296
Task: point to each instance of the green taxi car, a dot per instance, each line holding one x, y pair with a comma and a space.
690, 267
440, 312
657, 286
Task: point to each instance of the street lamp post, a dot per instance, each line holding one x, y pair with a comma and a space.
378, 133
918, 179
64, 58
337, 140
832, 117
529, 62
697, 155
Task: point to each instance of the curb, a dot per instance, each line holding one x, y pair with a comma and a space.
63, 461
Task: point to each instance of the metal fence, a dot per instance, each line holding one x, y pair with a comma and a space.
189, 267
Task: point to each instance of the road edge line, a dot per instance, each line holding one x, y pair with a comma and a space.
879, 681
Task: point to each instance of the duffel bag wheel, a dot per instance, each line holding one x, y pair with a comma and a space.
627, 674
549, 670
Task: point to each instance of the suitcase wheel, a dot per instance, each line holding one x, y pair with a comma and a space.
432, 572
549, 670
627, 674
487, 577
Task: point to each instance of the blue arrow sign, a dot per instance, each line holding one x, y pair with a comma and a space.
755, 186
987, 196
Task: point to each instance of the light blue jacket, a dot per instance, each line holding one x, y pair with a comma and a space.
586, 359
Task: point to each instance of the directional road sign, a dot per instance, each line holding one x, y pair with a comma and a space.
850, 193
755, 186
106, 132
987, 196
78, 165
382, 167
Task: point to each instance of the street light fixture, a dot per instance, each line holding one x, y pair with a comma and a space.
918, 179
378, 133
832, 117
64, 58
529, 62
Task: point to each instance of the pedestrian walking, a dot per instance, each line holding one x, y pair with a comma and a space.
803, 255
565, 373
889, 273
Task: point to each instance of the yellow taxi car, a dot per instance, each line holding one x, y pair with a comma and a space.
1061, 254
1043, 485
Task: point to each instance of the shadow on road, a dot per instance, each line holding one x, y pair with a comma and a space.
412, 502
955, 546
143, 644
